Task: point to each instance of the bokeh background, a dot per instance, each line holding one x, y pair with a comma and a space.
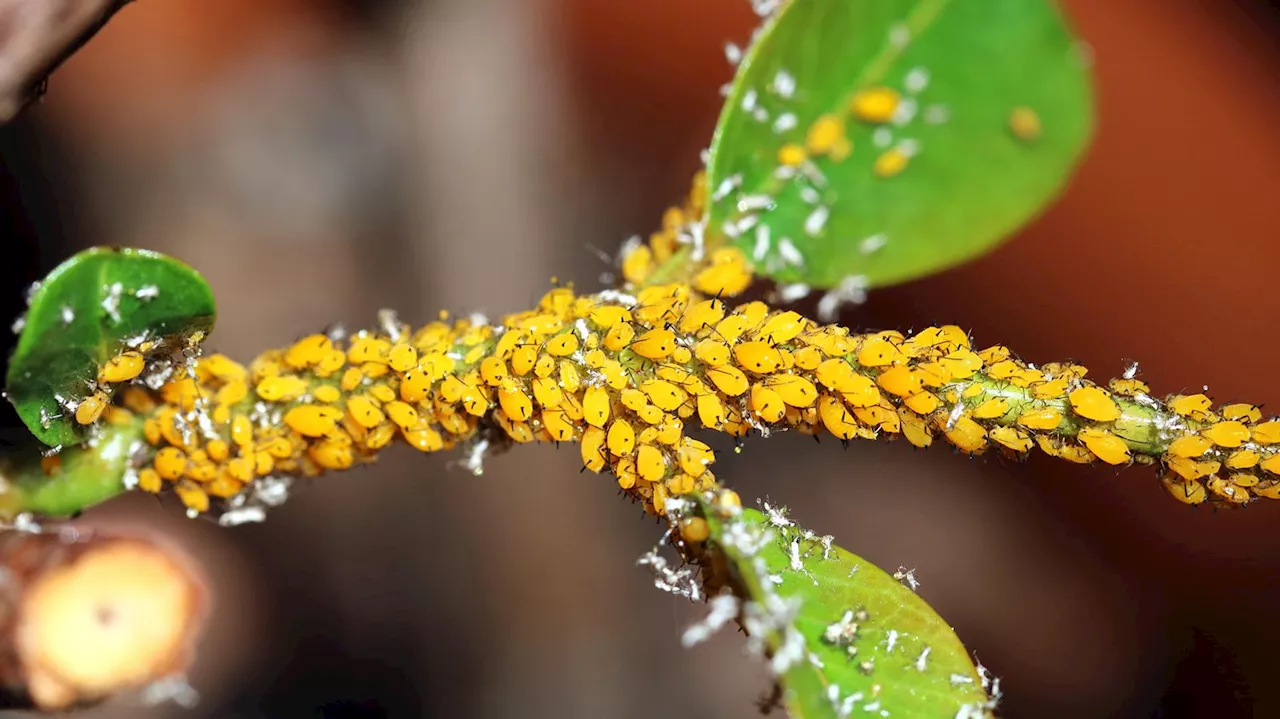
319, 160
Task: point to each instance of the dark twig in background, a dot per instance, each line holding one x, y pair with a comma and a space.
36, 37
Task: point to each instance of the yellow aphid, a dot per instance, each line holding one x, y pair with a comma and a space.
651, 464
923, 403
824, 134
879, 352
1267, 433
351, 379
1190, 446
222, 367
1228, 434
331, 362
702, 314
1012, 438
694, 457
1024, 123
621, 438
619, 336
728, 274
606, 316
523, 359
570, 379
663, 394
242, 429
1185, 492
881, 416
838, 375
1095, 404
374, 370
793, 389
967, 435
694, 530
1191, 469
961, 364
758, 357
710, 411
1242, 459
382, 393
519, 432
149, 480
368, 349
402, 357
654, 344
122, 368
557, 425
1052, 389
1104, 445
659, 499
380, 436
279, 447
195, 499
171, 463
808, 358
1272, 464
891, 162
312, 420
595, 406
1041, 418
91, 407
562, 345
545, 366
915, 429
515, 402
781, 328
712, 353
593, 446
791, 155
991, 409
493, 370
670, 431
326, 393
308, 351
1188, 405
364, 412
436, 365
1128, 387
766, 403
1242, 412
331, 455
728, 379
415, 386
875, 104
900, 381
837, 418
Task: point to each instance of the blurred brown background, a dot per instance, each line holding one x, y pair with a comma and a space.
320, 160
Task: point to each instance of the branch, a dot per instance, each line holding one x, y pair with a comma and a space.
36, 37
85, 616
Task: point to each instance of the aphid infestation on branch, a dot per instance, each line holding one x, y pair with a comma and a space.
631, 375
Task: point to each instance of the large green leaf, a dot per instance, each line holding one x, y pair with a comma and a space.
844, 635
962, 67
82, 314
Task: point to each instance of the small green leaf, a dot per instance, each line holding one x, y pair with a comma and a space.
961, 68
82, 314
82, 477
856, 637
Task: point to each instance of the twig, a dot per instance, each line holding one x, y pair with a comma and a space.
84, 616
36, 37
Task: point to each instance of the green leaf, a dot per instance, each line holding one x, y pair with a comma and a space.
82, 314
908, 662
83, 476
961, 68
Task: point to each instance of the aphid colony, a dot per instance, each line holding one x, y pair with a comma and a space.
624, 377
